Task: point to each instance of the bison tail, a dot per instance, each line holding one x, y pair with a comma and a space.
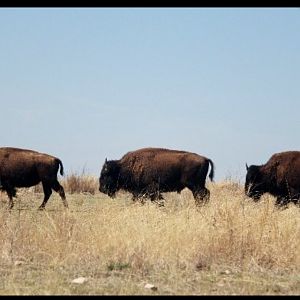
212, 171
61, 167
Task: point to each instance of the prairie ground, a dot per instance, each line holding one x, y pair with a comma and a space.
231, 246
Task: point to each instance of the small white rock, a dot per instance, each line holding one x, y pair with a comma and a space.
79, 280
150, 287
18, 262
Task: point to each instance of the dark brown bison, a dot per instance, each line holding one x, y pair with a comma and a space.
25, 168
280, 177
148, 172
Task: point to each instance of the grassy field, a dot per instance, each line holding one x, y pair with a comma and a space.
230, 246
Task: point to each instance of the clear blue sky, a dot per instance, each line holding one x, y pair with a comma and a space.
84, 84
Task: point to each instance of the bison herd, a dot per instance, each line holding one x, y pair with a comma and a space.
149, 172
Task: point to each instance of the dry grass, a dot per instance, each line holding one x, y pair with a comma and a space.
75, 183
80, 183
230, 246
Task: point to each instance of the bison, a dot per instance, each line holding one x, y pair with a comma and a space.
148, 172
280, 177
26, 168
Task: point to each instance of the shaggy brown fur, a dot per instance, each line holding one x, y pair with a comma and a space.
280, 177
25, 168
148, 172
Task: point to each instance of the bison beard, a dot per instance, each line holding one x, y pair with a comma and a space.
148, 172
25, 168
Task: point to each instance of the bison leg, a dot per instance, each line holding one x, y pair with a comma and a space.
295, 197
201, 196
160, 201
11, 192
157, 198
135, 197
282, 202
138, 197
60, 190
47, 194
297, 202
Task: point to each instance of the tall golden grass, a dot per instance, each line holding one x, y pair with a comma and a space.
229, 246
76, 183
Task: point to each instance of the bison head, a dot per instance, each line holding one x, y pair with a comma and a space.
108, 181
254, 185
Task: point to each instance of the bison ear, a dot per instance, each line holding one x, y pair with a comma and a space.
247, 167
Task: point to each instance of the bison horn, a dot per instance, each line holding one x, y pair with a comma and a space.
247, 167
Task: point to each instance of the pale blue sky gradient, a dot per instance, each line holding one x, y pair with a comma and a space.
89, 83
